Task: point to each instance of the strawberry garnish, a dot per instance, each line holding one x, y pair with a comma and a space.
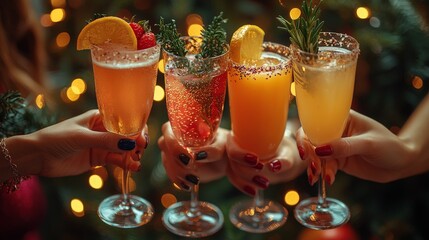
146, 41
138, 29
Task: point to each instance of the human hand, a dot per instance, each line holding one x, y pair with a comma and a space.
77, 144
248, 173
367, 150
209, 163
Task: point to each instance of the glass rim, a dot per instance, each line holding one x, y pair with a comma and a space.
353, 51
124, 49
226, 47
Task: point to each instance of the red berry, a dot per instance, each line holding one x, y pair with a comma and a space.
138, 30
146, 41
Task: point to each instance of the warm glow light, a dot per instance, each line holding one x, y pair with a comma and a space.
40, 101
77, 207
168, 199
362, 12
291, 198
79, 86
159, 93
63, 39
161, 66
194, 19
57, 15
71, 95
295, 13
292, 89
417, 82
195, 30
95, 181
58, 3
45, 20
101, 172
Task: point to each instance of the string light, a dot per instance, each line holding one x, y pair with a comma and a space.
159, 93
161, 66
77, 207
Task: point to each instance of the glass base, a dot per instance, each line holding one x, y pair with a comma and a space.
311, 215
114, 213
205, 221
246, 217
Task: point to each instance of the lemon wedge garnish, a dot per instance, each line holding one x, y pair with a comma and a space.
246, 44
103, 30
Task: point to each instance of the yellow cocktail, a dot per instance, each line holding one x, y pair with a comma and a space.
259, 97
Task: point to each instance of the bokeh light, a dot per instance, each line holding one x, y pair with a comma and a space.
194, 18
79, 85
291, 197
71, 95
40, 101
159, 93
77, 207
168, 199
417, 82
295, 13
161, 66
45, 20
95, 181
62, 39
57, 15
362, 12
195, 30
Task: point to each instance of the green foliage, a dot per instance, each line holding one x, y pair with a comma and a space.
214, 38
304, 32
169, 38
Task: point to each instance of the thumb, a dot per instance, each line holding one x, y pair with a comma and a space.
343, 147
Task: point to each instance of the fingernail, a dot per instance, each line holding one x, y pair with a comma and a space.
126, 144
259, 166
323, 150
328, 179
275, 166
301, 152
261, 181
310, 180
250, 159
201, 155
184, 159
249, 190
146, 137
192, 178
184, 186
313, 168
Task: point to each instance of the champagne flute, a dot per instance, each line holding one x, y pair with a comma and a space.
259, 97
124, 84
195, 94
324, 92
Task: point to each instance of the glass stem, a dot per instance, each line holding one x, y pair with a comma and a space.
322, 185
194, 202
259, 201
125, 182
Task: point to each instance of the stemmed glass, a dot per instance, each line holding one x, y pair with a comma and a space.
124, 84
195, 94
259, 97
324, 92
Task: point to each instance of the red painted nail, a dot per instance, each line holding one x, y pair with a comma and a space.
301, 152
325, 150
249, 190
328, 179
251, 159
275, 166
259, 166
313, 168
261, 181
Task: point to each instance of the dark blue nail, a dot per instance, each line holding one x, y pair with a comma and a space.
184, 159
184, 186
192, 178
201, 155
126, 144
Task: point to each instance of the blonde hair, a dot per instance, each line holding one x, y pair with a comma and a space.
22, 56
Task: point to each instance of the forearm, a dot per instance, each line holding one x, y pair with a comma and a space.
415, 134
23, 152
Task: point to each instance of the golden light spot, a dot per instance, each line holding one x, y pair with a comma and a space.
195, 30
58, 3
194, 19
295, 13
292, 89
77, 207
95, 181
57, 15
291, 198
161, 66
71, 95
79, 85
168, 199
159, 93
45, 20
63, 39
417, 82
40, 101
101, 172
362, 12
176, 186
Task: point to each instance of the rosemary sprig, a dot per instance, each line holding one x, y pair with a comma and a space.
304, 32
170, 38
214, 38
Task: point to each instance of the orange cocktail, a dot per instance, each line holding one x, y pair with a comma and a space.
259, 97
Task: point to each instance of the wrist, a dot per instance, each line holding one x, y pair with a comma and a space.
24, 153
